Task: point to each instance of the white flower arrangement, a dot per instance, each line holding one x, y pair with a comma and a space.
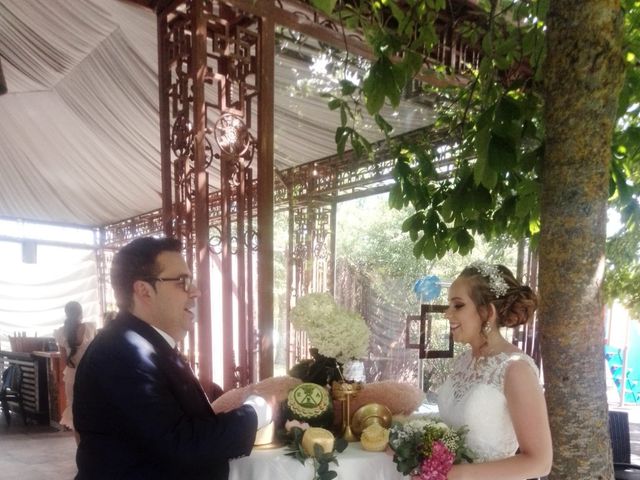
335, 331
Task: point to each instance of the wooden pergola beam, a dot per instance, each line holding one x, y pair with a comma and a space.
303, 18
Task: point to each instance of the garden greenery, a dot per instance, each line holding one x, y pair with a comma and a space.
476, 171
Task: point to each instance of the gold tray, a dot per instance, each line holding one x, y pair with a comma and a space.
369, 414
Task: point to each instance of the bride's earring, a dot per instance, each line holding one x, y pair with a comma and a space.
486, 329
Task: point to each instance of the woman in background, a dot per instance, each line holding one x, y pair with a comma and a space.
72, 338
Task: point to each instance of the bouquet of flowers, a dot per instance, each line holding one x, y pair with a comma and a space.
333, 330
427, 448
335, 333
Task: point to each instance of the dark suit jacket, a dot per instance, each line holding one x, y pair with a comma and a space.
142, 414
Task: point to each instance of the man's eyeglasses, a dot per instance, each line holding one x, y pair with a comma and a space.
185, 280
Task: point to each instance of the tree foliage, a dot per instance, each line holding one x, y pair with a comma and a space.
477, 171
375, 246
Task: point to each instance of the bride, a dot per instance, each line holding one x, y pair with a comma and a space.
494, 388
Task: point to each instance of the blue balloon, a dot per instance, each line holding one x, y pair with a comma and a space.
427, 288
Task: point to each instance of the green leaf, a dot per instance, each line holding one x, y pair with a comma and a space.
395, 197
358, 147
529, 130
531, 159
502, 153
464, 240
481, 199
418, 246
374, 89
507, 111
414, 62
431, 221
342, 135
427, 170
447, 211
380, 83
487, 45
402, 170
397, 12
325, 6
485, 119
335, 103
530, 40
347, 87
483, 173
622, 188
490, 178
408, 223
485, 67
361, 146
523, 206
429, 250
343, 115
382, 124
340, 445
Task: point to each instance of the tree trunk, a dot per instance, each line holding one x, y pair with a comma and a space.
583, 76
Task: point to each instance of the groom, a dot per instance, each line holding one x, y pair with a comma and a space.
139, 410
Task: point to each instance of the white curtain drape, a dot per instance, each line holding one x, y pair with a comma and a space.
32, 296
79, 126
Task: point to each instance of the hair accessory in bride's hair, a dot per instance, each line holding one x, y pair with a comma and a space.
497, 284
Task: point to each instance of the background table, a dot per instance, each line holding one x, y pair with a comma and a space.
355, 464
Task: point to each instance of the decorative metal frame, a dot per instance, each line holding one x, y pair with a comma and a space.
213, 59
424, 322
215, 63
310, 193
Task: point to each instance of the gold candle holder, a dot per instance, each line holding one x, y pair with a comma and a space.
343, 391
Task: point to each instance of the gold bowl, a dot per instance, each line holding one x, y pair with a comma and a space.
368, 415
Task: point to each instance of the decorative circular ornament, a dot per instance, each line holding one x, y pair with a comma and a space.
309, 401
231, 134
181, 136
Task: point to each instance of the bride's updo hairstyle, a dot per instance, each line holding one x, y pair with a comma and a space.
495, 284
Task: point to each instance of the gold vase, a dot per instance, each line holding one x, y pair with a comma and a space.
343, 392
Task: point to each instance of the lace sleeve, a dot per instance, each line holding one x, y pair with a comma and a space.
518, 357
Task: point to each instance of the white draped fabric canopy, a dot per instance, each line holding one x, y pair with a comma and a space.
80, 142
79, 134
32, 295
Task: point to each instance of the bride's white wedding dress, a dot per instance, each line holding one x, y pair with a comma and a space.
473, 395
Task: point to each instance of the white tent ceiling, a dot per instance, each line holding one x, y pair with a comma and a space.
79, 135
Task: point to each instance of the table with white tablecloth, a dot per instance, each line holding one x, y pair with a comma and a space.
355, 463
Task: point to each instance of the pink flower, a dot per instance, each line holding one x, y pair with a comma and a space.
438, 464
295, 423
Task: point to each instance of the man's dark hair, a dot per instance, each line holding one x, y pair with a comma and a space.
137, 261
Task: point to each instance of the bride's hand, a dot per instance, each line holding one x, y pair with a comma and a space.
455, 473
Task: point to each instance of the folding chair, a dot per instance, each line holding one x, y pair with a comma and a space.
11, 391
621, 446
